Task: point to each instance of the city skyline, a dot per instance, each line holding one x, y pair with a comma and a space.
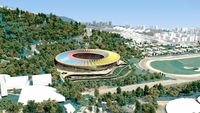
167, 14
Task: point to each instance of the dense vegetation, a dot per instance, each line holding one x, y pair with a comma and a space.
149, 96
20, 29
31, 107
62, 36
51, 35
131, 78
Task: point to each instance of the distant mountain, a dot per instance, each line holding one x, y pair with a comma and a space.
66, 19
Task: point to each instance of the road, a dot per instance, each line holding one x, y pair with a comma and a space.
176, 80
135, 86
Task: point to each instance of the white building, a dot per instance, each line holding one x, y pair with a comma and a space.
8, 83
39, 93
43, 79
183, 105
69, 108
4, 91
198, 99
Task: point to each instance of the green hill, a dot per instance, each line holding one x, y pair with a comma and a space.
51, 35
19, 29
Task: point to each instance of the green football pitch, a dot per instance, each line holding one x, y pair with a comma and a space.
181, 66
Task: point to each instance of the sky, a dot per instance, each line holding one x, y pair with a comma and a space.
163, 13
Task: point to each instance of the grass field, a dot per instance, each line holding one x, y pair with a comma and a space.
181, 66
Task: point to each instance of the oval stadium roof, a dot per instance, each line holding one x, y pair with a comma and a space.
68, 58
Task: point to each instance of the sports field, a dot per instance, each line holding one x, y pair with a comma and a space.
187, 66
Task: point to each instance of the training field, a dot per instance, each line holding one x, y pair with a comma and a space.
186, 66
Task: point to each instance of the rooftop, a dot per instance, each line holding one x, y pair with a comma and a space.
183, 105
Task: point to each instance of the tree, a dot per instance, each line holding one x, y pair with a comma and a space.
78, 96
119, 90
90, 108
173, 92
186, 90
114, 108
132, 100
139, 92
108, 102
138, 107
40, 108
151, 99
10, 106
154, 91
14, 108
194, 86
55, 74
17, 11
146, 90
5, 104
1, 52
51, 107
31, 107
161, 89
59, 109
96, 92
91, 101
121, 100
148, 108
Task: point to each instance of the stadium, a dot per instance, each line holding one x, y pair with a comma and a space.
86, 62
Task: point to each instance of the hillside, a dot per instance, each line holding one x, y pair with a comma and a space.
29, 42
19, 29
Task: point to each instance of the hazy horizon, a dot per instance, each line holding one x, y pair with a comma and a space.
165, 14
